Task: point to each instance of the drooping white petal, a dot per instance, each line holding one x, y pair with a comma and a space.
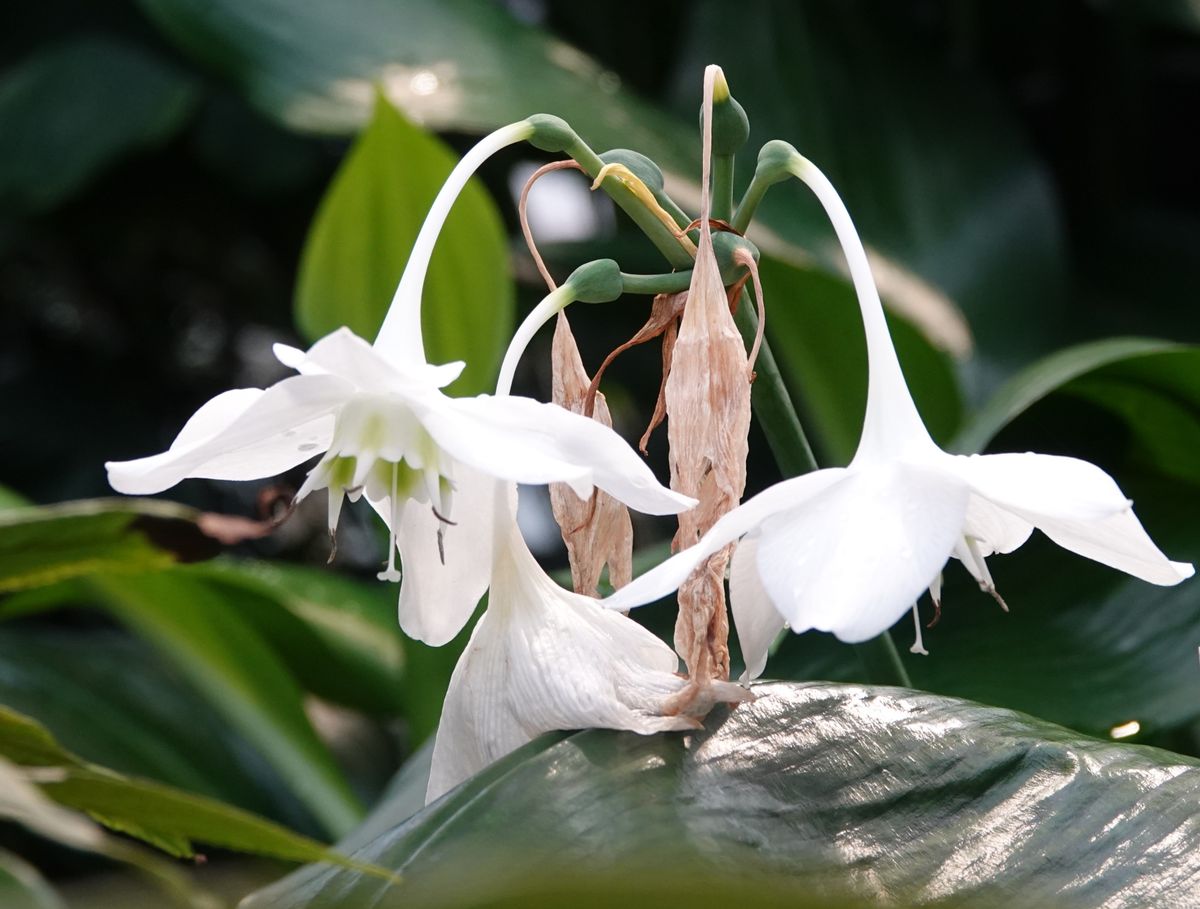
529, 441
543, 658
437, 598
1036, 485
245, 434
754, 615
1120, 542
995, 529
667, 576
1076, 504
853, 559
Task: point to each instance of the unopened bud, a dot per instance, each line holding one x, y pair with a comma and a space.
596, 282
551, 133
776, 161
638, 164
730, 125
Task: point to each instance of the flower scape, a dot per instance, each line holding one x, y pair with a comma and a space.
846, 550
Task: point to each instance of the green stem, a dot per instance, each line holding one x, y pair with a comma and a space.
881, 661
722, 187
671, 283
655, 230
772, 403
749, 204
785, 434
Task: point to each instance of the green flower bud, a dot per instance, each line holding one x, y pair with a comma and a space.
641, 167
596, 282
551, 133
775, 161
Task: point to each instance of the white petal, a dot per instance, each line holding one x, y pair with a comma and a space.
754, 615
529, 441
1034, 485
1077, 505
1120, 542
667, 576
853, 559
343, 353
244, 434
996, 530
436, 598
543, 658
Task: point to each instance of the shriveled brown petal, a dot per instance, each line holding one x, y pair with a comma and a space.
597, 531
707, 397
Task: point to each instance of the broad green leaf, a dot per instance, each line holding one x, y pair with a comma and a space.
21, 887
23, 802
112, 700
49, 544
902, 798
338, 636
1044, 377
226, 659
360, 240
816, 332
72, 108
165, 817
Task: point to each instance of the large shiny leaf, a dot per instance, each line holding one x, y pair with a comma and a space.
71, 109
900, 797
360, 240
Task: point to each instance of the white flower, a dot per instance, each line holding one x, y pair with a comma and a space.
849, 550
543, 658
425, 461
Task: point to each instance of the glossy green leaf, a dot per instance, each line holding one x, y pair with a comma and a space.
112, 700
361, 237
902, 798
227, 660
72, 108
50, 544
21, 887
338, 636
167, 818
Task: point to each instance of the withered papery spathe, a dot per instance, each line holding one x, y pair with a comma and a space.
597, 530
707, 398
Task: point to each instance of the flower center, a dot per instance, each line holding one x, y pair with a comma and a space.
381, 449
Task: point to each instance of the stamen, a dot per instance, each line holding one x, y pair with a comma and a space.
935, 594
918, 645
391, 574
986, 583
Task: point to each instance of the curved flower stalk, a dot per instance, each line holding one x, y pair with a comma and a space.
425, 461
849, 550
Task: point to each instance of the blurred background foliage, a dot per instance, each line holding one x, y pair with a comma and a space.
184, 182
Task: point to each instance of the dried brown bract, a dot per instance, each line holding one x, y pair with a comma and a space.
597, 531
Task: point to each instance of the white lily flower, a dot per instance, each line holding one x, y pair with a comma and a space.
425, 461
849, 550
543, 658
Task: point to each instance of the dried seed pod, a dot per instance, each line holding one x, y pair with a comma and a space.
597, 531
